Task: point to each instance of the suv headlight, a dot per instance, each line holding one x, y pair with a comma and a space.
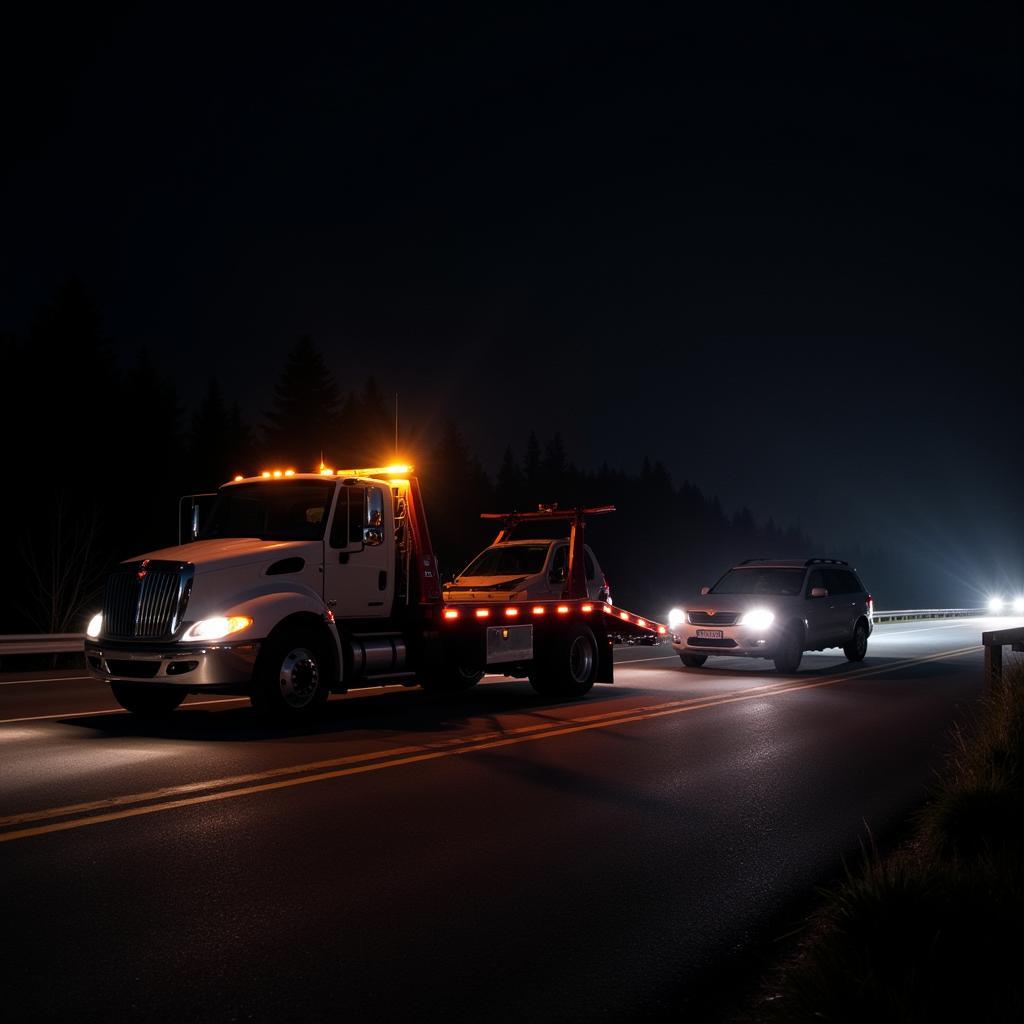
676, 617
759, 618
95, 626
217, 628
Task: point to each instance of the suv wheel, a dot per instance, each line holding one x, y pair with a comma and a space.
858, 645
790, 651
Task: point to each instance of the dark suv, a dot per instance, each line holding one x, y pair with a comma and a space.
776, 608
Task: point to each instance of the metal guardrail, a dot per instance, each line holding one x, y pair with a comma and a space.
41, 643
995, 640
909, 615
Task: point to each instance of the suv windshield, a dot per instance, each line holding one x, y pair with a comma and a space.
514, 560
277, 510
760, 581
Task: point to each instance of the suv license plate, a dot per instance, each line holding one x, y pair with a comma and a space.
710, 634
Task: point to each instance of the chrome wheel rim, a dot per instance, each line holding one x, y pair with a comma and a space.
581, 659
299, 677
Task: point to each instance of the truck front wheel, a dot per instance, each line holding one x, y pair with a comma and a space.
566, 666
147, 701
290, 680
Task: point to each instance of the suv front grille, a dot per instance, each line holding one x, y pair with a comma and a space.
717, 619
146, 601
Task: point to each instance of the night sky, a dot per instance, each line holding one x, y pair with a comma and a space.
775, 246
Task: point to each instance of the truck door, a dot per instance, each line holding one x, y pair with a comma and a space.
359, 562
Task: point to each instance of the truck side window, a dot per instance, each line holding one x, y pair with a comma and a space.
374, 507
349, 512
356, 514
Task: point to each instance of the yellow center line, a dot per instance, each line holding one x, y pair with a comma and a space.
399, 756
441, 744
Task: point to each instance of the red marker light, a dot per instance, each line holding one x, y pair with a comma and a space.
483, 613
624, 616
451, 613
511, 612
586, 608
562, 609
662, 630
539, 609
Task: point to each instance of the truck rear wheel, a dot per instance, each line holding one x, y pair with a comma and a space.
147, 701
290, 680
566, 665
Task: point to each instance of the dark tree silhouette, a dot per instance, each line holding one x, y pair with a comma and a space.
304, 419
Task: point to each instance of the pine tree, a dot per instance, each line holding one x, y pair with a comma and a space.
509, 490
304, 419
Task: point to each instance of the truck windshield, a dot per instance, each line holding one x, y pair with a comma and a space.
786, 582
513, 560
275, 510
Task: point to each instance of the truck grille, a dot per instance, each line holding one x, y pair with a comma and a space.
718, 619
146, 600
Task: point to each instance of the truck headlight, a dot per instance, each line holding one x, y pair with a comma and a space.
217, 628
95, 626
676, 617
759, 618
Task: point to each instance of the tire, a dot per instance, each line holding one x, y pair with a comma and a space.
147, 701
790, 651
858, 645
290, 680
693, 660
566, 666
457, 678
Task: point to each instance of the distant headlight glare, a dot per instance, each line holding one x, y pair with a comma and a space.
95, 626
995, 606
675, 617
1018, 605
217, 628
759, 618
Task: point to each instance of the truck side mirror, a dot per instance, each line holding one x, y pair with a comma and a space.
705, 590
373, 536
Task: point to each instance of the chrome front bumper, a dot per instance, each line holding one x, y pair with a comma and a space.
207, 667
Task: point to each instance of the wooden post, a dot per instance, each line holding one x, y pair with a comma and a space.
993, 665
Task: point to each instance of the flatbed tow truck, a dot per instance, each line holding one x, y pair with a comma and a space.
299, 585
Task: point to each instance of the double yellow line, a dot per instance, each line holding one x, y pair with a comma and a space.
96, 812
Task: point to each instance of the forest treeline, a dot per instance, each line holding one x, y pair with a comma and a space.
97, 454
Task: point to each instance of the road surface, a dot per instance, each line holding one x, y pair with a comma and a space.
491, 856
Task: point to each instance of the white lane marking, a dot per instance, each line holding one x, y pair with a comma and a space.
42, 679
110, 711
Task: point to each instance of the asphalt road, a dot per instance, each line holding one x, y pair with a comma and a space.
493, 856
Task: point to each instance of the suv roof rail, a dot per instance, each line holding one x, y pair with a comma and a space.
749, 561
826, 561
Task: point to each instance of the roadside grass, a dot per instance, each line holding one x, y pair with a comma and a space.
935, 930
